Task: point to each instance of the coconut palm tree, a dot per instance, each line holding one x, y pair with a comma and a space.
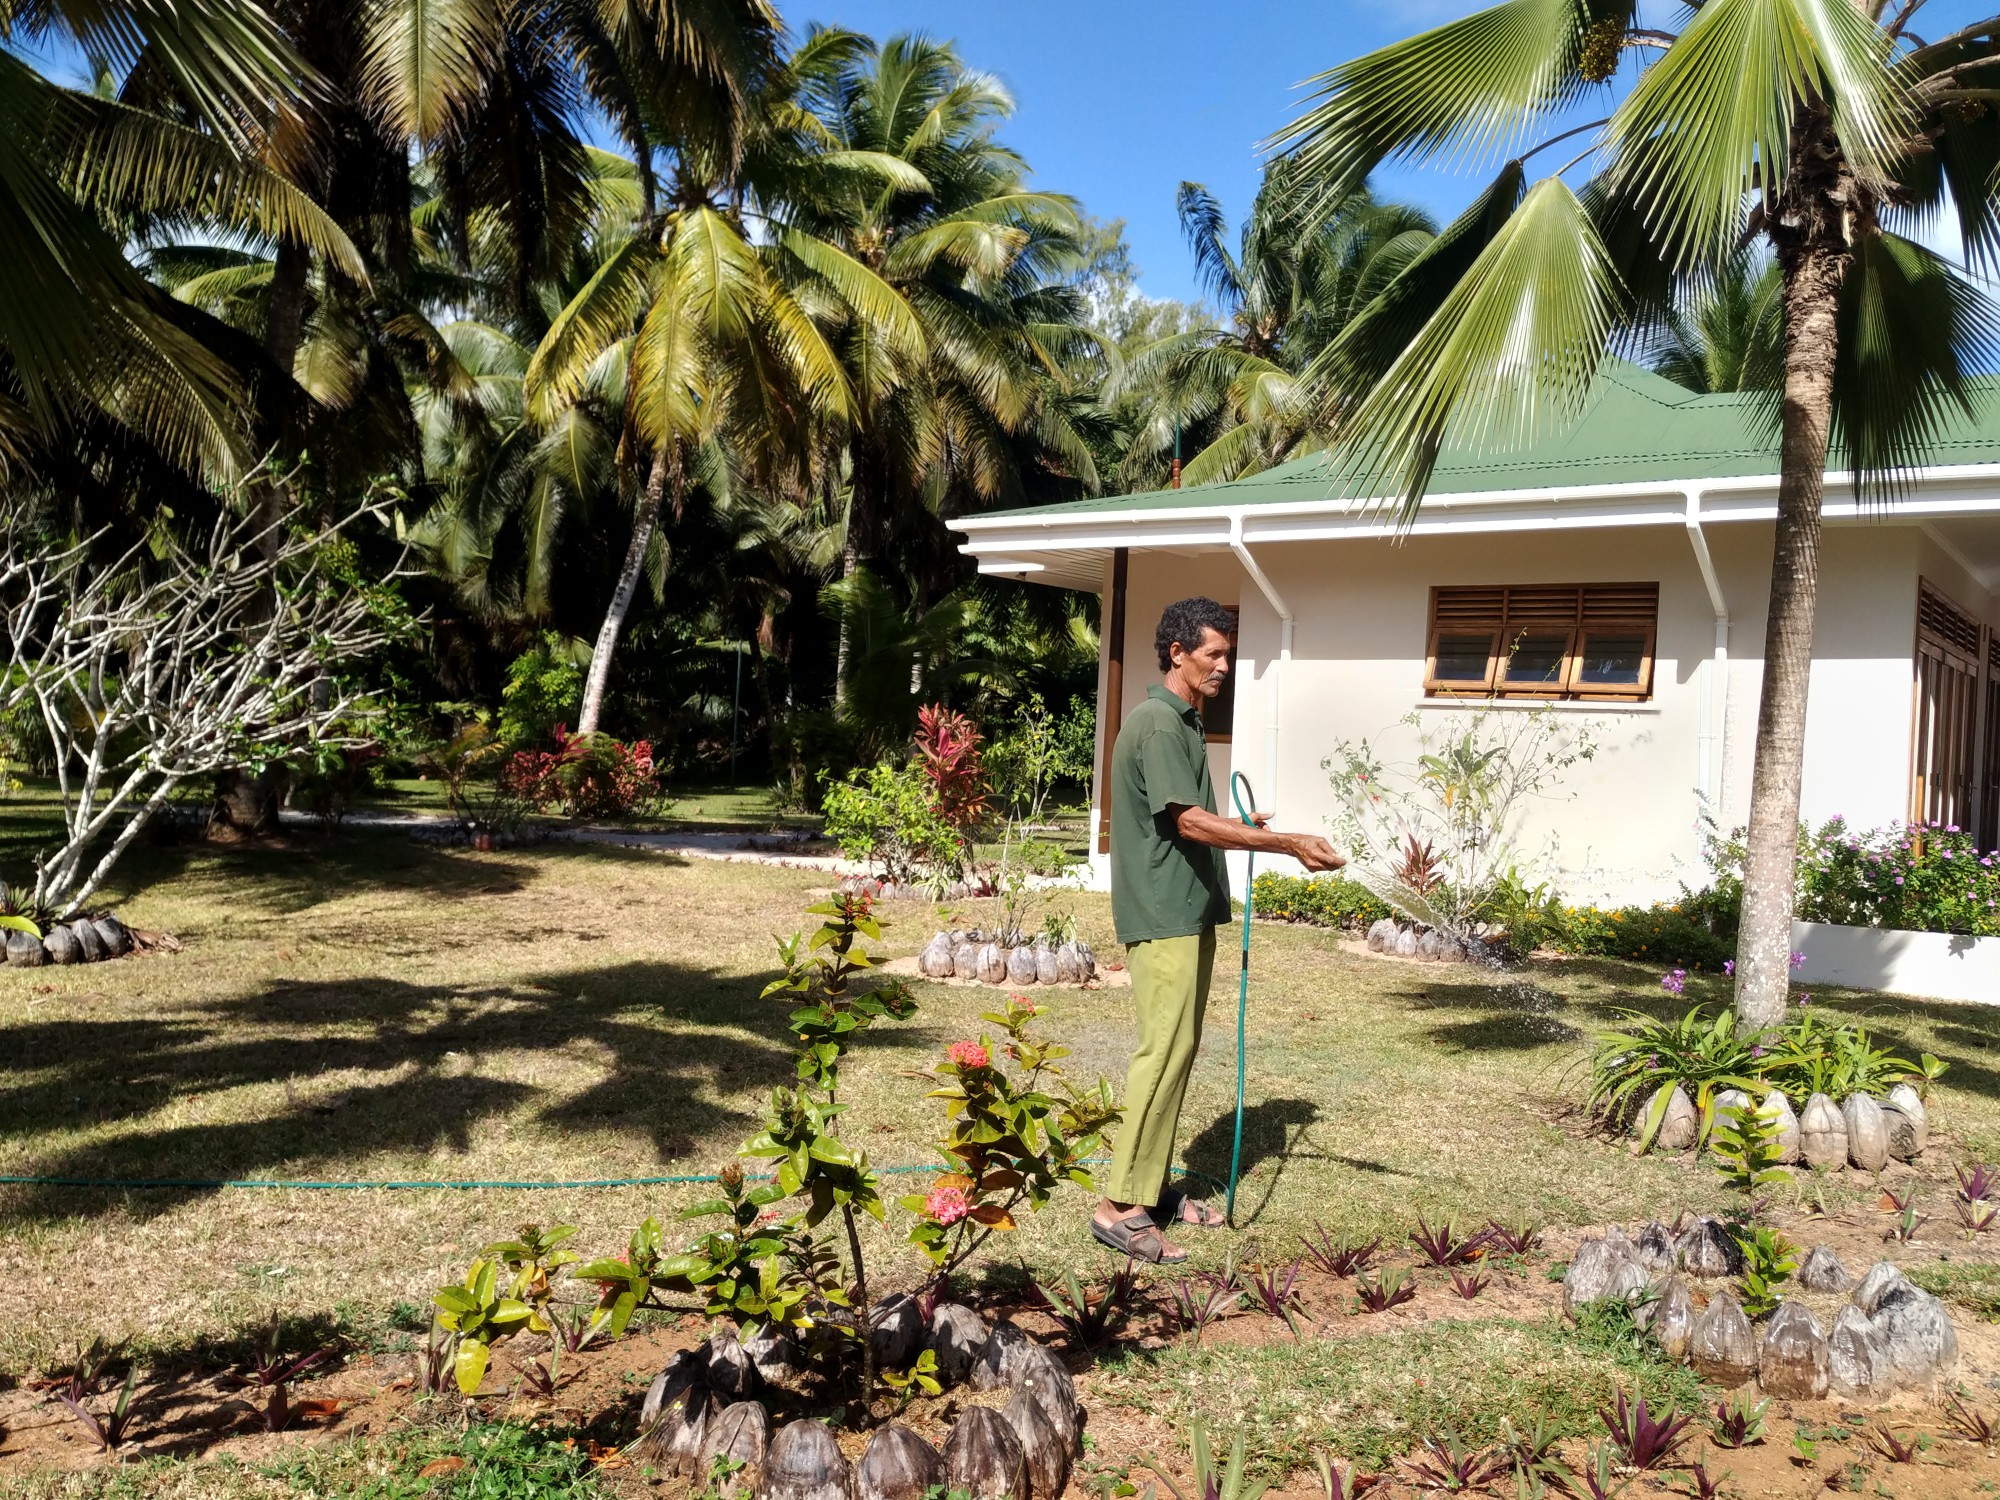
1231, 394
723, 336
1821, 128
82, 336
986, 265
1725, 334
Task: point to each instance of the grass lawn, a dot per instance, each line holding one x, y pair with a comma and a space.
362, 1008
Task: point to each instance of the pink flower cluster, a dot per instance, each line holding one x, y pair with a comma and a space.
946, 1204
1674, 981
969, 1055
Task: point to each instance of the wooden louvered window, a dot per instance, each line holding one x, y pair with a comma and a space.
1589, 641
1943, 760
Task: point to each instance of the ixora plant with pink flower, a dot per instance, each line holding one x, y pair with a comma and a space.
1011, 1140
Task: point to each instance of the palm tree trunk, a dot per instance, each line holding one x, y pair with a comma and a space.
1813, 264
848, 563
644, 524
246, 802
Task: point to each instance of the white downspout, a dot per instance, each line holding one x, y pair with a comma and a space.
1714, 717
1277, 603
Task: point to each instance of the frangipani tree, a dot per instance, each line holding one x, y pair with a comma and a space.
1823, 127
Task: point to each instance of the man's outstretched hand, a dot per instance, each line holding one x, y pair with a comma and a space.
1314, 852
1200, 826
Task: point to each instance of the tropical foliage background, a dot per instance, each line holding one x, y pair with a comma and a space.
667, 338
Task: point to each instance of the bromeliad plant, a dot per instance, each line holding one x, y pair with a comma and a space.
108, 1429
1388, 1290
1197, 1301
1445, 1246
1337, 1257
1700, 1052
1086, 1320
1010, 1141
1647, 1440
1274, 1290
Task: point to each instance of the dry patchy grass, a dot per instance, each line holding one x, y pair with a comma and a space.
366, 1008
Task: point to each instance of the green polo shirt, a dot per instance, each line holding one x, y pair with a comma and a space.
1162, 885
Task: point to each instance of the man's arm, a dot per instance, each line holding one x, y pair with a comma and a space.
1201, 826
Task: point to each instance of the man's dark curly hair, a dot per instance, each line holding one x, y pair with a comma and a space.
1184, 621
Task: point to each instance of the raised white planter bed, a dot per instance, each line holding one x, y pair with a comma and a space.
1933, 965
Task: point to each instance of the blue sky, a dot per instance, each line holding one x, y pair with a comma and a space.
1116, 104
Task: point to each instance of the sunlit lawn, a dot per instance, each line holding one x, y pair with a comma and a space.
366, 1008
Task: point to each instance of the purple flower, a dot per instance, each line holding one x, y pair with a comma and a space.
1673, 983
1653, 1063
1756, 1051
1947, 854
1798, 960
1805, 1000
1899, 880
1951, 828
1729, 967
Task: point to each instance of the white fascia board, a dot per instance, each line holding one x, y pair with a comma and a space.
1966, 490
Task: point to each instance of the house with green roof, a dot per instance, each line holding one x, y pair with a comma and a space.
1619, 571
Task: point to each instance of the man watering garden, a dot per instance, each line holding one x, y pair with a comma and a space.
1169, 890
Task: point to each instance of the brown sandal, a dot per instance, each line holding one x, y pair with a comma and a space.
1173, 1207
1138, 1236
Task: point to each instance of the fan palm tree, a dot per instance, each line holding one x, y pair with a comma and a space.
1233, 393
1819, 127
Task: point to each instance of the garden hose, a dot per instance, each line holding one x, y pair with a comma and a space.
1246, 803
124, 1184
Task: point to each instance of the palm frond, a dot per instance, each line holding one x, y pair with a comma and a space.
1709, 124
1508, 354
1463, 91
423, 62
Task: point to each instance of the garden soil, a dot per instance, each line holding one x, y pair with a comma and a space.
200, 1414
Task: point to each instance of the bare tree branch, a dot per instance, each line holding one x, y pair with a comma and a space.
150, 669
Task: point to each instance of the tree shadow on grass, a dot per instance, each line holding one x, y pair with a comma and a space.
305, 868
671, 1078
1273, 1130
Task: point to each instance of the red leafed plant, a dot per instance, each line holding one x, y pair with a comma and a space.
1420, 866
947, 746
587, 775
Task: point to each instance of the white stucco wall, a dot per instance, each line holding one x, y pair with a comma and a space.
1626, 827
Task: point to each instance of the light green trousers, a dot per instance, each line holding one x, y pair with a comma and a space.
1170, 991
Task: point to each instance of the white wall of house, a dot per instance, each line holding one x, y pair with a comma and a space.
1626, 827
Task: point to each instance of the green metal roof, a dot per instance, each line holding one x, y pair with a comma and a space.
1636, 427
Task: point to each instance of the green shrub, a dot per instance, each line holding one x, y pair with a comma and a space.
1321, 900
1679, 933
544, 688
887, 817
1915, 877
